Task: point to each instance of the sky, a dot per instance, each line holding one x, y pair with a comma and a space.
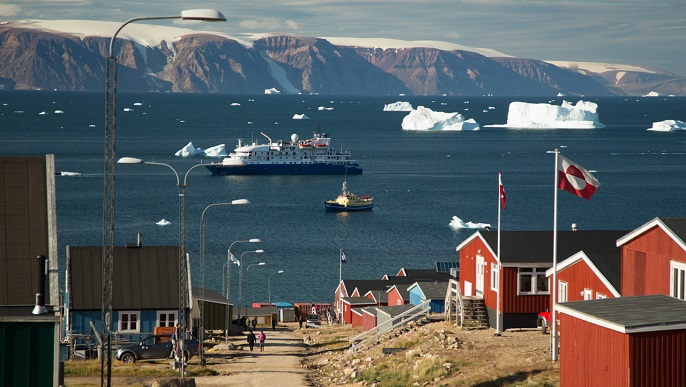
634, 32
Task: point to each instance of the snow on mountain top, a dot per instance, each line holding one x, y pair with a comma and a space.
598, 67
396, 43
147, 35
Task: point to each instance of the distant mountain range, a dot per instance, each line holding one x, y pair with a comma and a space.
70, 55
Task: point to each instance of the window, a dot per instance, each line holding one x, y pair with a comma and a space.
129, 321
494, 276
562, 292
166, 318
677, 280
600, 296
532, 280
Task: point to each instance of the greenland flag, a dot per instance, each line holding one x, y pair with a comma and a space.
575, 179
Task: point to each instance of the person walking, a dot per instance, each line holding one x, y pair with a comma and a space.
251, 340
273, 324
261, 337
254, 323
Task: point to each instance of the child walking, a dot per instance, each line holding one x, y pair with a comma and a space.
261, 337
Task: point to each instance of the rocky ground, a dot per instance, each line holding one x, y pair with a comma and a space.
435, 354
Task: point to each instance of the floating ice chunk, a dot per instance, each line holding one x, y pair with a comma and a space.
42, 113
652, 94
668, 126
137, 103
400, 106
427, 119
91, 126
59, 111
189, 150
525, 115
216, 151
300, 117
458, 223
128, 109
19, 111
273, 90
491, 108
163, 222
235, 104
67, 173
324, 108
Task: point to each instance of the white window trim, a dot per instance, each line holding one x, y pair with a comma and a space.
494, 277
600, 296
562, 292
137, 313
536, 271
176, 317
678, 266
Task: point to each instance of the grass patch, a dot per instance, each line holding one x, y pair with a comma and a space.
390, 374
402, 343
139, 369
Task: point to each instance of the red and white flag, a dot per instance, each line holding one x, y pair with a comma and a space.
502, 191
575, 179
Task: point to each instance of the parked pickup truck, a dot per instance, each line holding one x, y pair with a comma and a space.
155, 347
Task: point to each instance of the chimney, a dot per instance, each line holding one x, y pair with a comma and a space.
136, 245
40, 296
139, 239
573, 226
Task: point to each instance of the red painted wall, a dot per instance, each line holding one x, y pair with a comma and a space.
394, 298
356, 319
658, 358
645, 263
580, 276
368, 321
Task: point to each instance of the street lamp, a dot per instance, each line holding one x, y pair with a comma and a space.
201, 298
240, 276
109, 173
183, 267
230, 258
247, 277
269, 285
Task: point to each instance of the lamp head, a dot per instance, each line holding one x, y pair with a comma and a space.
129, 160
255, 240
240, 201
208, 15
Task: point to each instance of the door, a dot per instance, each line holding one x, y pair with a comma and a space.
480, 275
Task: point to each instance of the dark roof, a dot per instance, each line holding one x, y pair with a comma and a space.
394, 310
144, 277
677, 225
644, 313
610, 266
371, 310
536, 247
380, 296
414, 275
359, 300
402, 290
426, 275
210, 296
433, 290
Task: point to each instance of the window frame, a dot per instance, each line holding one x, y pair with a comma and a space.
678, 282
533, 274
128, 314
560, 292
495, 276
167, 313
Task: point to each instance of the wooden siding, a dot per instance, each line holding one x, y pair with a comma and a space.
368, 321
356, 318
468, 263
591, 355
580, 276
645, 263
394, 298
347, 313
658, 358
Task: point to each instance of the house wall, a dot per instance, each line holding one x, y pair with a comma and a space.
591, 355
514, 303
415, 296
580, 276
437, 306
29, 353
394, 298
368, 321
347, 313
657, 358
645, 263
468, 264
356, 318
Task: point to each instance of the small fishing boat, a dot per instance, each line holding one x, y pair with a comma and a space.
348, 201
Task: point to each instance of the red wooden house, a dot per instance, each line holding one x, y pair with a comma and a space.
398, 295
654, 258
625, 341
525, 258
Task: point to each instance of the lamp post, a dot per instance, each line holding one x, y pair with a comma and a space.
183, 267
247, 277
201, 298
269, 285
230, 258
240, 276
109, 173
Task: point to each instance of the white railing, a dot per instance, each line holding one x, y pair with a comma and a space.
409, 315
454, 296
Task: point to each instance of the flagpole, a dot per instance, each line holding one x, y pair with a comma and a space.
340, 280
497, 294
553, 320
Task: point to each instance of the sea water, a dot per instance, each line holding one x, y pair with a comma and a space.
419, 180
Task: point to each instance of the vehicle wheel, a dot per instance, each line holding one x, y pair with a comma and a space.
128, 358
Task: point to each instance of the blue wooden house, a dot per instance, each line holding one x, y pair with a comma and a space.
434, 291
145, 291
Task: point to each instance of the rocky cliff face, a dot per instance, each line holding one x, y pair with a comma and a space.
205, 63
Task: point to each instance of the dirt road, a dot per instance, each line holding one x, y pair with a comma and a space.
279, 364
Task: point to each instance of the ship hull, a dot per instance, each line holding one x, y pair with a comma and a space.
335, 207
284, 169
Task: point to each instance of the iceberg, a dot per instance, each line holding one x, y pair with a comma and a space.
652, 94
189, 150
273, 90
42, 113
235, 104
300, 117
525, 115
59, 111
668, 126
324, 108
163, 222
216, 151
128, 109
399, 106
458, 223
426, 119
67, 173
